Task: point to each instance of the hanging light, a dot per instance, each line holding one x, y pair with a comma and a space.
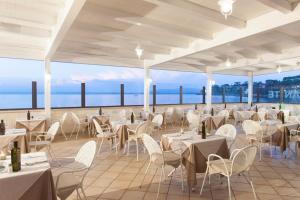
139, 51
279, 70
226, 7
228, 63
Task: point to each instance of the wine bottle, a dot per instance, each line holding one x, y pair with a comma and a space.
256, 109
2, 127
153, 109
16, 157
203, 130
28, 115
132, 118
282, 117
212, 111
225, 106
280, 106
196, 107
100, 111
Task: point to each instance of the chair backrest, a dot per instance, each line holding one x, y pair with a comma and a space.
261, 115
227, 130
158, 120
251, 127
142, 128
98, 127
86, 154
272, 114
122, 114
52, 131
224, 113
75, 118
243, 159
193, 120
153, 149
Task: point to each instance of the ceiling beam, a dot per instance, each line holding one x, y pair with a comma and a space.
274, 70
283, 6
171, 28
65, 20
207, 13
255, 26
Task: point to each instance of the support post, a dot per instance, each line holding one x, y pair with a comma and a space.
34, 94
250, 88
47, 88
203, 95
209, 89
147, 81
83, 95
122, 95
154, 95
223, 94
180, 95
241, 94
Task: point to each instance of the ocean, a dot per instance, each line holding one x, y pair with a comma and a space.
21, 100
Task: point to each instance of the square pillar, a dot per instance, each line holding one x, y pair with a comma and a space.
250, 88
147, 82
47, 88
209, 89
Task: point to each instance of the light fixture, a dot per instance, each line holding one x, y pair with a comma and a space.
228, 63
226, 7
139, 51
279, 70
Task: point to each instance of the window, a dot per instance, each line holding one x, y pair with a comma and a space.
231, 86
16, 82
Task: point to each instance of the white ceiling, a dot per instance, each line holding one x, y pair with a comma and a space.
183, 35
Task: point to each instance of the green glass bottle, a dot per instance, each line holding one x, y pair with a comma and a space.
203, 130
132, 118
16, 158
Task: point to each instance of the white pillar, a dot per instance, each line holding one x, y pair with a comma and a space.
47, 88
209, 89
250, 88
146, 88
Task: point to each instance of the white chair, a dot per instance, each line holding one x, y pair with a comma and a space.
295, 133
286, 115
71, 178
104, 132
224, 113
63, 124
46, 140
122, 115
136, 135
229, 132
77, 124
255, 134
262, 114
169, 114
239, 163
193, 120
157, 121
272, 114
160, 159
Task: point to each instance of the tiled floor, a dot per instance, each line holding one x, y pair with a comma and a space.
118, 176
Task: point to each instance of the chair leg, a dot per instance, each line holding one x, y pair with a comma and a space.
271, 153
229, 188
161, 174
204, 180
145, 174
181, 171
260, 151
137, 150
78, 194
249, 179
128, 147
84, 195
100, 146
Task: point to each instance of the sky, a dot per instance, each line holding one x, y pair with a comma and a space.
16, 75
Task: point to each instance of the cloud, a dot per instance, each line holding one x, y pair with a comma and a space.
105, 75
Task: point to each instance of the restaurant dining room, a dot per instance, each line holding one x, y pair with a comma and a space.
149, 99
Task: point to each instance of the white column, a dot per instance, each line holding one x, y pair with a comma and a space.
250, 87
47, 88
146, 88
209, 89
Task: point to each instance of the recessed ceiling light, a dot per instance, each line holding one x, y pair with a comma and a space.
139, 51
279, 70
226, 7
228, 63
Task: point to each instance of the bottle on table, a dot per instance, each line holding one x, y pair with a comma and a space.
132, 118
153, 109
16, 157
256, 109
212, 111
203, 132
28, 115
100, 111
196, 107
2, 127
282, 117
225, 106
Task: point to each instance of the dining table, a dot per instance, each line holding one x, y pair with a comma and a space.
33, 182
121, 128
33, 125
195, 151
11, 135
